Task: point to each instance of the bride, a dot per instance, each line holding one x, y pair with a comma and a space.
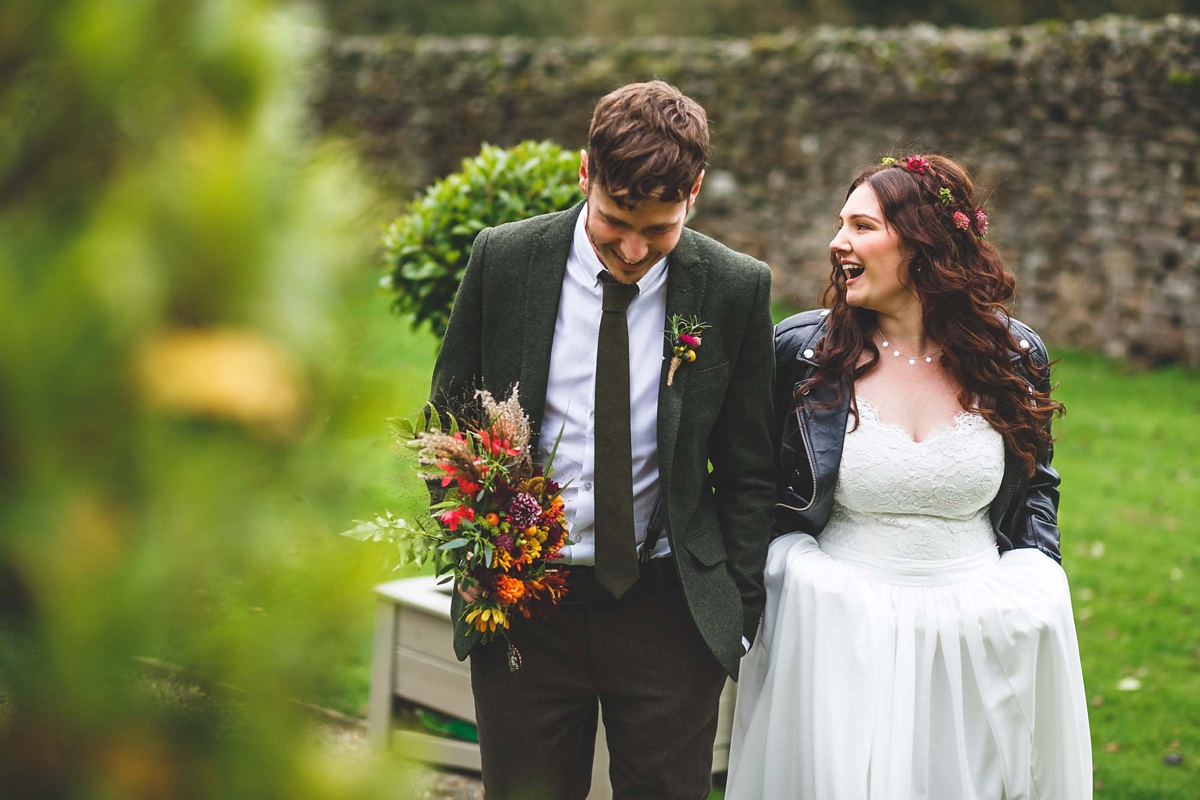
918, 640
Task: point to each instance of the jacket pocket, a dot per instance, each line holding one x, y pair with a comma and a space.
707, 378
707, 548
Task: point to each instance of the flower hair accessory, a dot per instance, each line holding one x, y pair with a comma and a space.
684, 336
916, 164
961, 221
945, 196
981, 221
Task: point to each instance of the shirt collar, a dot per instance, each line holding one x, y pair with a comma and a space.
586, 256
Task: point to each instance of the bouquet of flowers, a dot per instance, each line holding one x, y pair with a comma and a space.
499, 523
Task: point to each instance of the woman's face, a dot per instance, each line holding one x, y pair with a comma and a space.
874, 259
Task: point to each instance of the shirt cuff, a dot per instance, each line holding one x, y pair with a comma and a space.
745, 645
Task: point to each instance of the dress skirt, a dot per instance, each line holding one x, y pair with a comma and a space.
883, 678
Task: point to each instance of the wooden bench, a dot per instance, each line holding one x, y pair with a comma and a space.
413, 658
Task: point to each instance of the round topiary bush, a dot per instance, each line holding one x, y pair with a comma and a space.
426, 250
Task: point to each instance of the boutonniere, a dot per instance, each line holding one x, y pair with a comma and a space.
684, 336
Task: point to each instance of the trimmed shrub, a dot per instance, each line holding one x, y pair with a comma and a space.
426, 250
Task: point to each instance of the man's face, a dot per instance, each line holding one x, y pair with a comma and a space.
630, 242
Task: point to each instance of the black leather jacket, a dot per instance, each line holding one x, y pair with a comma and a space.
1024, 513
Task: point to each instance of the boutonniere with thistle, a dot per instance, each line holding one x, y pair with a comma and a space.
684, 336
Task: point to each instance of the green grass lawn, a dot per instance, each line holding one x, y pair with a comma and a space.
1130, 502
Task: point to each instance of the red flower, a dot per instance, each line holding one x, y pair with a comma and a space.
467, 486
497, 446
450, 470
454, 517
916, 164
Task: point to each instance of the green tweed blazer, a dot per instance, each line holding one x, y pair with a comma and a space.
715, 453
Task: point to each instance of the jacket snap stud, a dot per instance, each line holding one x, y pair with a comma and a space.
1024, 344
808, 353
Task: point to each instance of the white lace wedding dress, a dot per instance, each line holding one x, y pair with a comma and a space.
900, 657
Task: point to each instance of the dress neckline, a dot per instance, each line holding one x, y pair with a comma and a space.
937, 432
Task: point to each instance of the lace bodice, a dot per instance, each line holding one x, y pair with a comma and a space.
924, 500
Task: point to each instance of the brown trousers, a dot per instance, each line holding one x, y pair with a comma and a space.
638, 660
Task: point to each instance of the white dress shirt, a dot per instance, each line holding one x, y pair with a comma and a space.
571, 393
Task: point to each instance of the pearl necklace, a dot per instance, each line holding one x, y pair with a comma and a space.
911, 360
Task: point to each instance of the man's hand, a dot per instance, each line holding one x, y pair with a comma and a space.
469, 590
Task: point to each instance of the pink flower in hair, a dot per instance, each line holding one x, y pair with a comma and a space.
916, 164
961, 220
981, 221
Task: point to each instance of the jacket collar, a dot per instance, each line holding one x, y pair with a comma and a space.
687, 280
808, 352
543, 289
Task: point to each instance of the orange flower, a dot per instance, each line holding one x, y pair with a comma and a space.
509, 590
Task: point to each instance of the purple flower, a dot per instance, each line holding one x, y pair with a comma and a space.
981, 221
504, 542
524, 511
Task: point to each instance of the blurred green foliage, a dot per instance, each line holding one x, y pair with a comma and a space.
617, 18
426, 250
178, 439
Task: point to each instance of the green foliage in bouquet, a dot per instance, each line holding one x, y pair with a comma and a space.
426, 250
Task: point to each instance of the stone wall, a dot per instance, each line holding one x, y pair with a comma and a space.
1085, 136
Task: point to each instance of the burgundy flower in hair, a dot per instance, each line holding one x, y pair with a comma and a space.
981, 221
961, 220
916, 164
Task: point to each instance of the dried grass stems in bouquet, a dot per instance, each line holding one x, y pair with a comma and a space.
499, 522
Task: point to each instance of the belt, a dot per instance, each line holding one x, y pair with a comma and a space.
655, 574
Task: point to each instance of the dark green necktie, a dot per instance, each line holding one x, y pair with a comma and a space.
616, 549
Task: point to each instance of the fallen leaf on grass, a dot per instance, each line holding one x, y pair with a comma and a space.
1098, 701
1112, 747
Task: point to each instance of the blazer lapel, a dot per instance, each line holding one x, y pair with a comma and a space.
687, 278
543, 288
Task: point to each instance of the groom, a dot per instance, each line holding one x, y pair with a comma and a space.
666, 566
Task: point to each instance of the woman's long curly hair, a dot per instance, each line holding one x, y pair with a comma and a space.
964, 290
